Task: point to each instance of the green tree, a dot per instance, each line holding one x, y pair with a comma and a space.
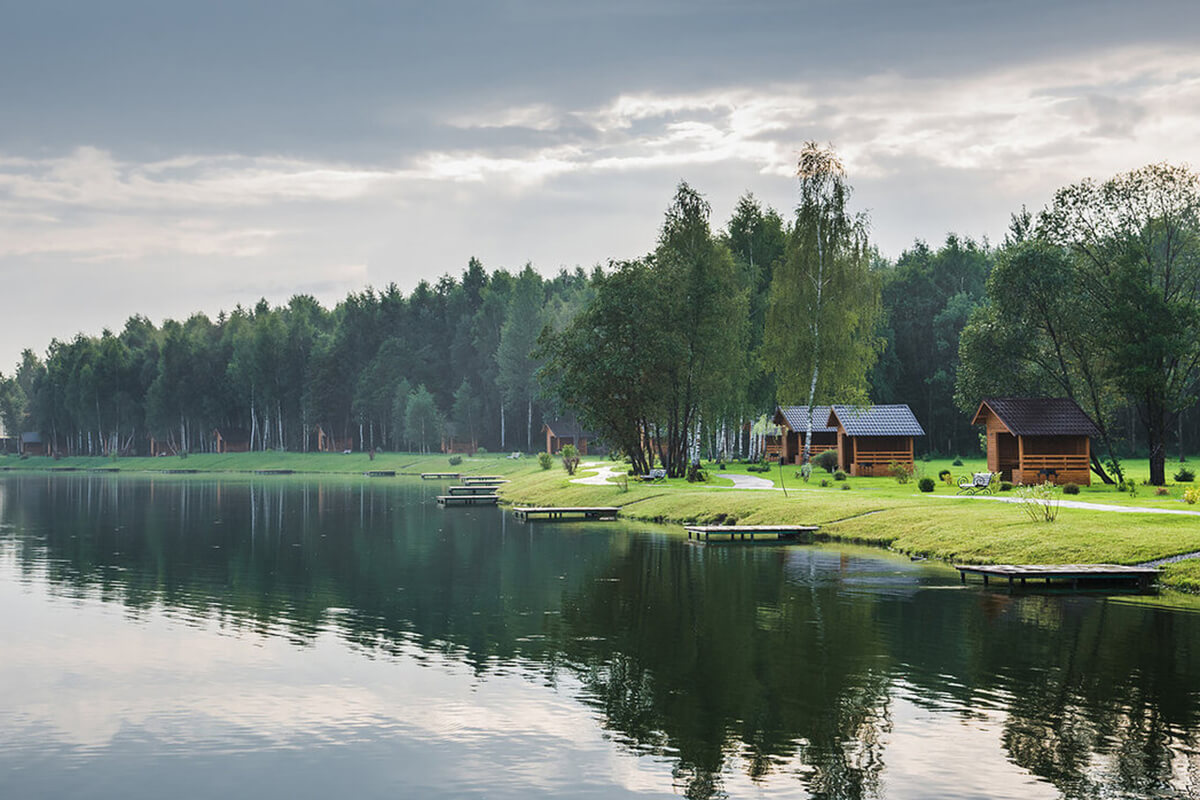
423, 421
519, 334
821, 328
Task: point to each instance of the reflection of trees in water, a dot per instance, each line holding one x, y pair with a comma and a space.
719, 659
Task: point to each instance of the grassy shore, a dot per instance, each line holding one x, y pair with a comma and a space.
877, 511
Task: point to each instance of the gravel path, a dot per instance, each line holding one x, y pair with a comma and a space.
1077, 504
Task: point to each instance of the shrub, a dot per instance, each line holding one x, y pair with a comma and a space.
455, 460
760, 467
845, 486
570, 458
1191, 495
825, 484
827, 461
1185, 475
481, 451
946, 477
1006, 486
695, 474
545, 460
903, 473
926, 484
1039, 502
839, 476
957, 462
1162, 491
1070, 488
721, 465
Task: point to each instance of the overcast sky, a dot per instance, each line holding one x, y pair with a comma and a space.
168, 157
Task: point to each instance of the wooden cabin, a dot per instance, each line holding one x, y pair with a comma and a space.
869, 438
562, 432
331, 444
161, 447
454, 442
32, 444
793, 422
1037, 439
230, 440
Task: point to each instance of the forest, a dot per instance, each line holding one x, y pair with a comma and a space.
686, 347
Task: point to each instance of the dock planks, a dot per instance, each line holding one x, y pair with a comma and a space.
566, 512
752, 533
483, 480
467, 499
477, 489
380, 473
1075, 574
437, 476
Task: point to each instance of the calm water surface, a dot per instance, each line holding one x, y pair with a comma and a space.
288, 638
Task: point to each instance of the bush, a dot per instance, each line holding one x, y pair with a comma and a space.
827, 461
840, 476
902, 472
845, 486
1070, 488
481, 451
1185, 475
946, 477
759, 467
1039, 502
927, 458
957, 462
1006, 486
721, 465
1191, 495
1162, 491
455, 460
570, 458
926, 484
545, 460
695, 474
825, 484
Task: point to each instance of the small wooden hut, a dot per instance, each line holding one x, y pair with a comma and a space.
32, 444
793, 422
871, 437
332, 444
230, 440
1037, 439
562, 432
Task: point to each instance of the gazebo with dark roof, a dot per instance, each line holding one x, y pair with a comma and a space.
1037, 439
792, 421
869, 438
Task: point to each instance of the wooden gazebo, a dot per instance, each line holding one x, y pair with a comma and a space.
871, 437
231, 440
793, 422
1037, 439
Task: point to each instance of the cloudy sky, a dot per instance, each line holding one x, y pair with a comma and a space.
167, 157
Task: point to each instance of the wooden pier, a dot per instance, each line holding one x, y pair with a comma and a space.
483, 480
752, 533
438, 476
477, 489
274, 471
564, 512
380, 473
467, 499
1077, 575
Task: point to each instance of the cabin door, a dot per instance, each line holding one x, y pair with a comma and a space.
1008, 454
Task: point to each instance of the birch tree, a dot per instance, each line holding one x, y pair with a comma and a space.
820, 339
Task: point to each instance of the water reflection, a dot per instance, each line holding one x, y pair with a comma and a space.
808, 671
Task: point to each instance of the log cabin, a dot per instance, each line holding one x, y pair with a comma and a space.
332, 444
869, 438
1037, 439
792, 422
562, 432
230, 440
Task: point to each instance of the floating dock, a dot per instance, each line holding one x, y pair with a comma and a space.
563, 512
1077, 575
437, 476
478, 489
467, 499
380, 473
274, 471
771, 533
483, 480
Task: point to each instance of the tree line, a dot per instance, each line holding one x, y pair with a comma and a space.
670, 356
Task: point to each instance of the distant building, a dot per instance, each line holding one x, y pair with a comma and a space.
793, 422
562, 432
869, 438
32, 444
1037, 439
331, 444
231, 440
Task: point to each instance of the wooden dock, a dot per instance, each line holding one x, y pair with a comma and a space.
1076, 575
477, 489
380, 473
752, 533
564, 512
483, 480
274, 471
438, 476
467, 499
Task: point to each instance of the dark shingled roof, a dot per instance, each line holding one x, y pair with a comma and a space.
564, 428
795, 418
897, 420
1040, 416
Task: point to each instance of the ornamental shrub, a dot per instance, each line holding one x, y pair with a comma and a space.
1185, 475
827, 460
840, 476
1070, 488
1191, 495
570, 458
1006, 486
925, 484
455, 460
957, 462
902, 472
545, 460
946, 477
825, 484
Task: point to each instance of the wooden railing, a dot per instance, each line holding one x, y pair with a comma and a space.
881, 456
1056, 462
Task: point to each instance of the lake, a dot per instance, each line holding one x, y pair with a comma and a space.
282, 637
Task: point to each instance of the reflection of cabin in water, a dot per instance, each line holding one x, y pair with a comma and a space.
330, 444
871, 437
562, 432
793, 422
230, 440
1037, 439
